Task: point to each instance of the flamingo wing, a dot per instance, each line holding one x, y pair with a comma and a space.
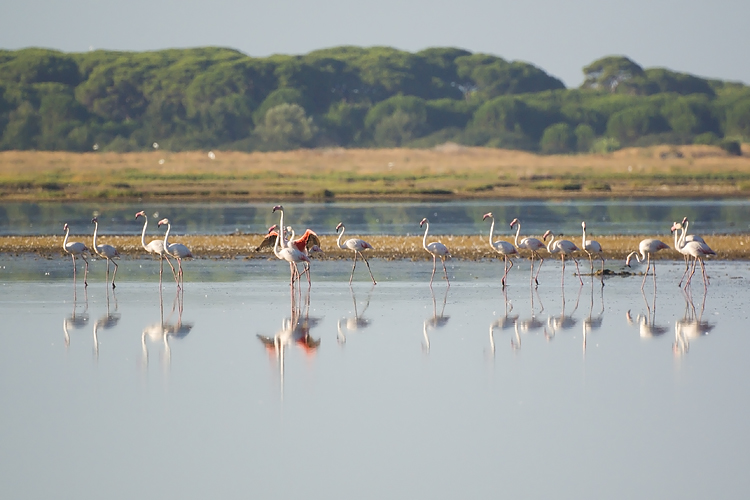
268, 242
438, 248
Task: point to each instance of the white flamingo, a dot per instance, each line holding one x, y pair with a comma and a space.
592, 247
646, 248
358, 246
106, 251
531, 244
564, 248
695, 249
288, 253
176, 250
437, 249
155, 247
502, 247
76, 248
688, 239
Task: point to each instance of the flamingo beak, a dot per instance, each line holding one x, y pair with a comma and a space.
277, 207
339, 226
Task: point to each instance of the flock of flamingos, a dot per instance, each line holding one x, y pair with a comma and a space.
297, 250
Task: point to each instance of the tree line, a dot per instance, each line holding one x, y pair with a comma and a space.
217, 98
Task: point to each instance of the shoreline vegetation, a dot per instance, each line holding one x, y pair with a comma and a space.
448, 171
474, 247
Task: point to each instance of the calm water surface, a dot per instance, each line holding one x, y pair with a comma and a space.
641, 216
392, 391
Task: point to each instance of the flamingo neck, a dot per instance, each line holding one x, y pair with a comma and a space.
338, 241
679, 241
279, 237
96, 228
282, 229
166, 236
518, 231
143, 234
424, 239
65, 241
637, 257
549, 245
492, 229
583, 238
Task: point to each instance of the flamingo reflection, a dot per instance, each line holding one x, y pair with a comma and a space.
356, 322
505, 323
295, 330
436, 321
76, 320
106, 322
162, 331
532, 323
691, 326
647, 325
593, 322
563, 321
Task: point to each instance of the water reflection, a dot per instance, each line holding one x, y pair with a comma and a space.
647, 325
162, 331
354, 323
437, 320
691, 326
532, 323
592, 322
76, 320
295, 330
505, 323
562, 321
107, 321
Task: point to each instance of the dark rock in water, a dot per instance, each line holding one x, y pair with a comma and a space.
609, 272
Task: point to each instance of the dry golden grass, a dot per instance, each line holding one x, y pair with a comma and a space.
449, 170
728, 247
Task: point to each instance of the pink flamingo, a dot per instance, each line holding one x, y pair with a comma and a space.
695, 249
502, 247
358, 246
176, 250
531, 244
76, 248
564, 248
155, 247
437, 249
288, 253
106, 251
646, 248
592, 247
688, 239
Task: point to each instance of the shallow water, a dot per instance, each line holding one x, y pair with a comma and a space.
604, 216
410, 392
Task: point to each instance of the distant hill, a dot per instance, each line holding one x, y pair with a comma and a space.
218, 98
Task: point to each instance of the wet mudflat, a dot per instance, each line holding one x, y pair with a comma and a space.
236, 388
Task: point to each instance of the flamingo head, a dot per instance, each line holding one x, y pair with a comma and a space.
94, 220
316, 248
163, 221
684, 220
65, 227
583, 224
339, 226
140, 213
675, 226
544, 238
277, 207
423, 222
488, 214
512, 223
627, 263
272, 228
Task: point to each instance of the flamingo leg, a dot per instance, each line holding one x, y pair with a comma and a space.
706, 282
591, 261
687, 266
74, 267
113, 274
690, 277
602, 258
505, 269
434, 265
645, 275
445, 271
562, 277
368, 268
353, 267
579, 271
174, 273
541, 261
86, 271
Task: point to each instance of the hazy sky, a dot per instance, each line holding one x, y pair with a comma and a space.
704, 38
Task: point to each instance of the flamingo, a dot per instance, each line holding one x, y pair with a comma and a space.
308, 243
531, 244
290, 254
689, 238
592, 247
437, 249
76, 248
502, 247
155, 247
646, 248
176, 250
694, 249
358, 246
564, 248
107, 251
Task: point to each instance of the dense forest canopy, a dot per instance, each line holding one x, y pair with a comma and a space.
217, 98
